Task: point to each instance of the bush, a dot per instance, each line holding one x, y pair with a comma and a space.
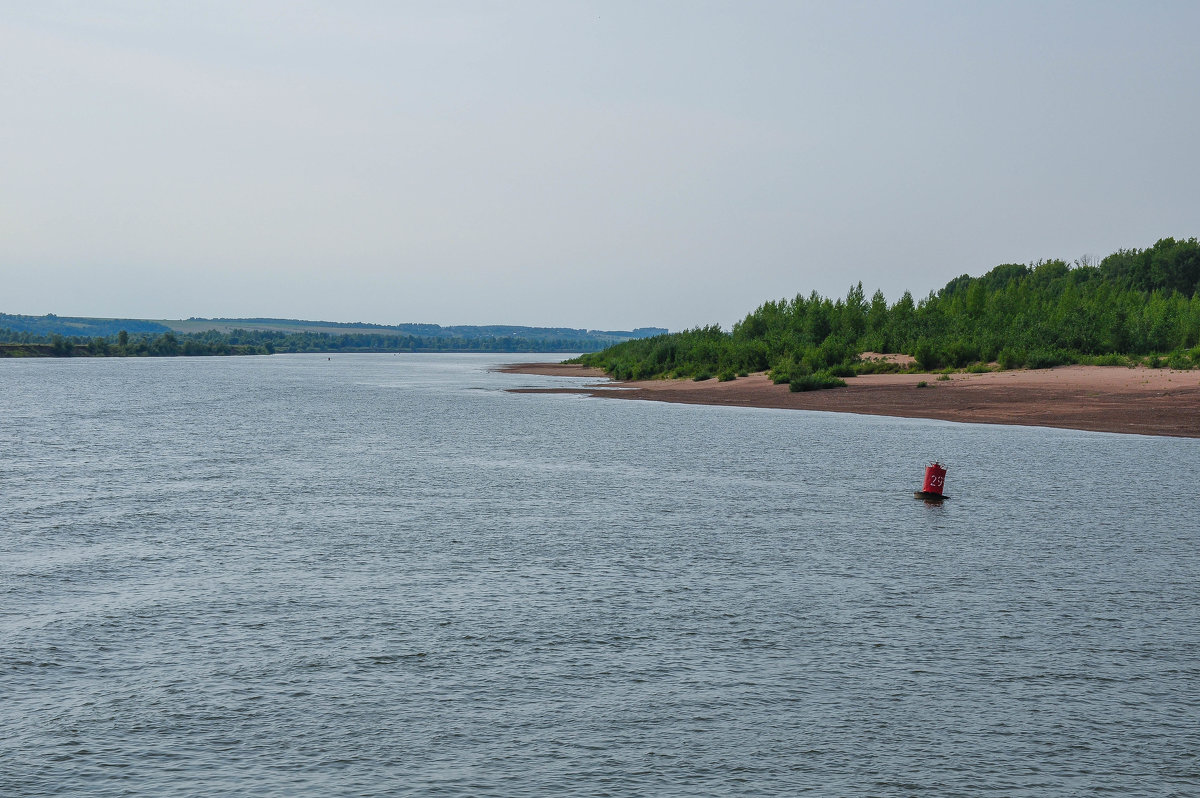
960, 353
928, 358
702, 375
944, 378
727, 375
1047, 358
816, 381
1011, 358
922, 384
1179, 360
1111, 359
876, 367
978, 368
810, 361
841, 370
786, 370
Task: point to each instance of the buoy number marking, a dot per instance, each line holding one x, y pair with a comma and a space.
935, 481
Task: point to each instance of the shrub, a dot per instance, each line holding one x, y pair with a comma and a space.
841, 370
1111, 359
960, 353
928, 358
922, 384
876, 367
830, 380
810, 360
727, 375
816, 381
1011, 358
944, 378
786, 370
1046, 358
978, 368
1179, 360
702, 375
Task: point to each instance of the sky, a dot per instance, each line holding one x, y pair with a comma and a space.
604, 165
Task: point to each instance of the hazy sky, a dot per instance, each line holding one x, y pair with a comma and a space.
603, 165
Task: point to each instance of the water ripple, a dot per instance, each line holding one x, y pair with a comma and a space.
385, 576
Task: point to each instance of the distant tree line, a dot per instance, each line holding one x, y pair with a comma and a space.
167, 344
375, 342
18, 343
1136, 303
80, 327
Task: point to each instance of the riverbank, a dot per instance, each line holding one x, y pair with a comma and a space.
1138, 400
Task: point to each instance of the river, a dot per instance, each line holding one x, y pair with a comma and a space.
379, 575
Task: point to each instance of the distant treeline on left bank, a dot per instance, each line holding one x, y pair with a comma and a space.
171, 343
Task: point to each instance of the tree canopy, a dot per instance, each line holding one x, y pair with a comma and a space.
1132, 303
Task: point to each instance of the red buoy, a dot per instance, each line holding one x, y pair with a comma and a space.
935, 483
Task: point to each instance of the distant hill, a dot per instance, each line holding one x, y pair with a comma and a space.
193, 325
78, 327
261, 335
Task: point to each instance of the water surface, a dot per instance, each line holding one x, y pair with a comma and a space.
383, 575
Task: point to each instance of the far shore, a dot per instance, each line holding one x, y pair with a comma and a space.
1139, 400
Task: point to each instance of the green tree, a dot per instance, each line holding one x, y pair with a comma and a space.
60, 346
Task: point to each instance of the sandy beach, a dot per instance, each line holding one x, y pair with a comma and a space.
1138, 400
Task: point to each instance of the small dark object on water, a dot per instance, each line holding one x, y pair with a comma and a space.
935, 481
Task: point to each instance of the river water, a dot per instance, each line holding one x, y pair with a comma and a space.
383, 575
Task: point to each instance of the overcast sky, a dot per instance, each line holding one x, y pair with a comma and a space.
604, 165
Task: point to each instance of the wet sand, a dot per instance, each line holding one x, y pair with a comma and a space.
1100, 398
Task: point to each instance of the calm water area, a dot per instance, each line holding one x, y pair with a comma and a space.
377, 575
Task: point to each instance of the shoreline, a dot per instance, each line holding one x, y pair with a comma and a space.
1139, 400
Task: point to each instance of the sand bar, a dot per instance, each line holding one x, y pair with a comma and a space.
1101, 398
